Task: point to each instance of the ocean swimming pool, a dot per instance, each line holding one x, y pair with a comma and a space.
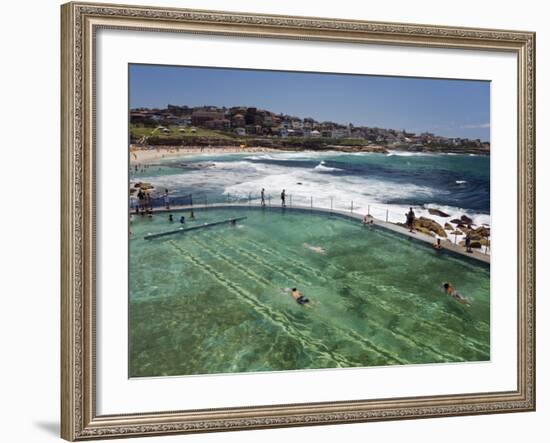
214, 301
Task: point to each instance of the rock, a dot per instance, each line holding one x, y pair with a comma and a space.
456, 221
430, 225
424, 231
133, 190
483, 231
457, 232
473, 245
448, 227
466, 219
437, 212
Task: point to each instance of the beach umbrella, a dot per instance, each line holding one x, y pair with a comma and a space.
456, 232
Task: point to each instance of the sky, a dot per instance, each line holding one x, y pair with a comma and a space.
452, 108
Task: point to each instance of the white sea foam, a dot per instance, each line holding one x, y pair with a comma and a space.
321, 167
461, 182
302, 155
244, 177
409, 154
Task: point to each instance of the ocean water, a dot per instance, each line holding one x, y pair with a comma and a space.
216, 300
383, 185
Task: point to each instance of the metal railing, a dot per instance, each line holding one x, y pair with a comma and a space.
291, 200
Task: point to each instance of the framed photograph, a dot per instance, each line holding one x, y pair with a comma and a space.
277, 221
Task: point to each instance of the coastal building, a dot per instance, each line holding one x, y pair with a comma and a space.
240, 131
218, 124
238, 121
339, 133
199, 118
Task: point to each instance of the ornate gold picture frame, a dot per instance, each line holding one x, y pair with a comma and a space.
80, 22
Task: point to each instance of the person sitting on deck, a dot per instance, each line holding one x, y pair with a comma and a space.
299, 297
367, 220
182, 219
450, 290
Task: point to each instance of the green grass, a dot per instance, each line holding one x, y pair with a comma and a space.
138, 132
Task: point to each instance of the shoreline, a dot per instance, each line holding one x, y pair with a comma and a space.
153, 154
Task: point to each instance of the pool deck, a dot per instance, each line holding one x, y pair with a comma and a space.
445, 244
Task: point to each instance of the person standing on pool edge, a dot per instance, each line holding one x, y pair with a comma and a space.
410, 219
262, 195
283, 197
468, 242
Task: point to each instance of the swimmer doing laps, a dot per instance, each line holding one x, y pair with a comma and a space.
451, 291
317, 249
299, 297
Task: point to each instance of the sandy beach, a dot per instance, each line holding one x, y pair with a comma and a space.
140, 155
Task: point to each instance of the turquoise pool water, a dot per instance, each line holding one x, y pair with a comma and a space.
214, 300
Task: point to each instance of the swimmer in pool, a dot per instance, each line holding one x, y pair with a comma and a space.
450, 290
298, 296
317, 249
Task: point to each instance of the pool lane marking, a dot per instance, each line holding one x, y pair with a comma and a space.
269, 266
289, 258
224, 258
258, 259
279, 256
362, 341
271, 315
